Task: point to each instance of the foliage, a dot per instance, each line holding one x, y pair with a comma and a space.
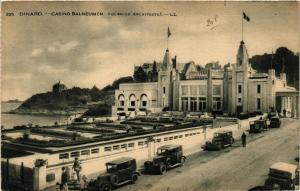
283, 60
140, 75
99, 110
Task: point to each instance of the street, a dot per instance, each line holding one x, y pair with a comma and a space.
235, 168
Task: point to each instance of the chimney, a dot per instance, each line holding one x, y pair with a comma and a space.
283, 76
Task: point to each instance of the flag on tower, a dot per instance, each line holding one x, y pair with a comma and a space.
246, 17
169, 32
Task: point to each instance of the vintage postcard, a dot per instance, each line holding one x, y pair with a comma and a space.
156, 96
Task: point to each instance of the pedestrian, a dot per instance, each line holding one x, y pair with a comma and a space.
77, 168
64, 180
284, 113
244, 141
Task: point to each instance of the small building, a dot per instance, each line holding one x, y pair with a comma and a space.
233, 89
58, 87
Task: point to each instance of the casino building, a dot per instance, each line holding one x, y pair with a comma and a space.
188, 87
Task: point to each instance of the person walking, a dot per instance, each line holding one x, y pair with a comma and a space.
244, 141
77, 168
64, 180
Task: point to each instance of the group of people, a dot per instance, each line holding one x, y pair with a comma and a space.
65, 175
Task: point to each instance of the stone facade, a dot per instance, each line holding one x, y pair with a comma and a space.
232, 89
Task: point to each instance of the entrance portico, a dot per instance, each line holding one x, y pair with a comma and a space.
287, 103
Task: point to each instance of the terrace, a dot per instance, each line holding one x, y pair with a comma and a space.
60, 137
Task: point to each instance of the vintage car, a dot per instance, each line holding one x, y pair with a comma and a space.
275, 122
282, 176
220, 140
168, 156
118, 172
259, 126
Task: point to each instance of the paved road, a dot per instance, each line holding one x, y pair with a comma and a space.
235, 168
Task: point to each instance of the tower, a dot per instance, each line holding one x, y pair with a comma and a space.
164, 82
241, 74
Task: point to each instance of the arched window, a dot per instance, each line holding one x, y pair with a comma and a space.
121, 100
132, 100
144, 100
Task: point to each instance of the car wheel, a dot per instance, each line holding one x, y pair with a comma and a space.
134, 178
106, 187
146, 168
162, 169
219, 146
169, 164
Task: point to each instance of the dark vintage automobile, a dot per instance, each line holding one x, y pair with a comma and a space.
118, 172
259, 126
283, 176
168, 156
275, 122
220, 140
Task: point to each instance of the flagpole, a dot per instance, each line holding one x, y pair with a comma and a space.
242, 27
167, 42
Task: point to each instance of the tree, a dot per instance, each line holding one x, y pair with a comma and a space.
283, 60
140, 75
154, 73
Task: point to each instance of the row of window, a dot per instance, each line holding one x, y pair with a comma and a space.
201, 103
118, 147
132, 100
258, 89
96, 150
202, 90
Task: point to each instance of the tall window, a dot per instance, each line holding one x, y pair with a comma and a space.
132, 100
164, 90
258, 88
258, 104
121, 100
239, 89
217, 103
184, 103
193, 104
144, 100
202, 103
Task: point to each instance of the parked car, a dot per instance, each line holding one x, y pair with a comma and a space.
168, 156
282, 176
275, 122
220, 140
259, 126
118, 172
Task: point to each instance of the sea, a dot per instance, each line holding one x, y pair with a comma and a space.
10, 120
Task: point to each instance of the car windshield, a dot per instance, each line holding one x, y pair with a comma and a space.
111, 168
162, 151
216, 135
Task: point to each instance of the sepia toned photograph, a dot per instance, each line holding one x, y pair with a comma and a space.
150, 96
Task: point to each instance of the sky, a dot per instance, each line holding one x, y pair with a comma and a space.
38, 51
